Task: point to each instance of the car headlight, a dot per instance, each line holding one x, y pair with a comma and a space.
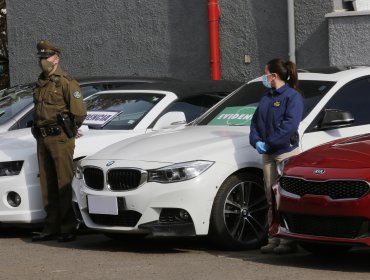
179, 172
79, 171
10, 168
280, 166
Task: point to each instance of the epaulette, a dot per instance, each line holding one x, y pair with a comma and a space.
68, 77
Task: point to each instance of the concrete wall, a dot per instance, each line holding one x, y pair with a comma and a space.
255, 28
112, 37
163, 37
312, 32
349, 38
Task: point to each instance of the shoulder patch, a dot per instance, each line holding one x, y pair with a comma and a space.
77, 94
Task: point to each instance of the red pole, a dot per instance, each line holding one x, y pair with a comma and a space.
213, 17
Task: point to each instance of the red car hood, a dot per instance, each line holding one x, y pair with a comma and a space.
346, 153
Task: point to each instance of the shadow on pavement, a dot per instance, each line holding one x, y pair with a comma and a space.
90, 240
357, 260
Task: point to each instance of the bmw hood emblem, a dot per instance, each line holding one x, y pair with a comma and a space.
109, 163
319, 171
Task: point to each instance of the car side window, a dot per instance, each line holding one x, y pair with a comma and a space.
355, 98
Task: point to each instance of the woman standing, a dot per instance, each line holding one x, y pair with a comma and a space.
274, 130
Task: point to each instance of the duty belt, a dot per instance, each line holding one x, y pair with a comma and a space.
46, 131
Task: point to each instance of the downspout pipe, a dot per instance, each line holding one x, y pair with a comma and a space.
213, 18
291, 31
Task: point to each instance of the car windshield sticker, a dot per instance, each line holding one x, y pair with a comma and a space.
99, 118
241, 116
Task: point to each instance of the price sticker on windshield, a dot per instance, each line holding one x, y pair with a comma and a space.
99, 118
239, 115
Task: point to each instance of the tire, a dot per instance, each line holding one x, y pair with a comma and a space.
239, 213
324, 249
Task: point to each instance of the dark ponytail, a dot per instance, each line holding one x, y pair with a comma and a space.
286, 70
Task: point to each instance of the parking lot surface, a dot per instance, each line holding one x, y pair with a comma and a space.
94, 256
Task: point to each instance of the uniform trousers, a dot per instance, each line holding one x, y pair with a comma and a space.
55, 157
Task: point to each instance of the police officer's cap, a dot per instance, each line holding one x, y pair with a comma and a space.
46, 49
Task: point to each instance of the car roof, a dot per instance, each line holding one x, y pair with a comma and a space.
123, 79
187, 88
330, 69
333, 73
96, 79
17, 88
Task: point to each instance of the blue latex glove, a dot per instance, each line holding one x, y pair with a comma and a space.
261, 147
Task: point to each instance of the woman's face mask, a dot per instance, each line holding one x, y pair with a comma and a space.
265, 81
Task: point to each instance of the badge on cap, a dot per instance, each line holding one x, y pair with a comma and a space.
77, 94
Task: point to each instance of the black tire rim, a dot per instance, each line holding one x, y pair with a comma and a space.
245, 213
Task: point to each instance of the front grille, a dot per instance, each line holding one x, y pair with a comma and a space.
94, 178
340, 227
125, 218
336, 189
123, 179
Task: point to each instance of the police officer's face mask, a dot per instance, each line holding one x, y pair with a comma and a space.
46, 65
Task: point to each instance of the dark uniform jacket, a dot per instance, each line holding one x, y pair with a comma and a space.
276, 120
58, 93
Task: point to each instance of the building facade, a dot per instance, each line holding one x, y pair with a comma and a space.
170, 38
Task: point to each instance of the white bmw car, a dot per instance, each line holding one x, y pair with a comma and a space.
206, 179
112, 116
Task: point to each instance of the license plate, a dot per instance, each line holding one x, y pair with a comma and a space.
102, 205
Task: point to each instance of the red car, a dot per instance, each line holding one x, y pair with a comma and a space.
322, 199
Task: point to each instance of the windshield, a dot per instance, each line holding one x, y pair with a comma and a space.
14, 100
238, 108
118, 110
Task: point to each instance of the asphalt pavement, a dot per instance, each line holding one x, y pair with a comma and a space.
95, 256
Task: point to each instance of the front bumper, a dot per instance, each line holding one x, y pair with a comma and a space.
31, 208
313, 218
155, 208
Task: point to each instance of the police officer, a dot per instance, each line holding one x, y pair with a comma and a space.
59, 111
274, 130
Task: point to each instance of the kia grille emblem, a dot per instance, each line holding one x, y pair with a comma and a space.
109, 163
319, 171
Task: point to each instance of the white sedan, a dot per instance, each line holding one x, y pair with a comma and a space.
16, 103
112, 116
207, 179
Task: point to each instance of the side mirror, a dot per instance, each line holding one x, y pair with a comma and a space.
170, 119
334, 118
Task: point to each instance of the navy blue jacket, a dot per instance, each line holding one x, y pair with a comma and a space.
276, 120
